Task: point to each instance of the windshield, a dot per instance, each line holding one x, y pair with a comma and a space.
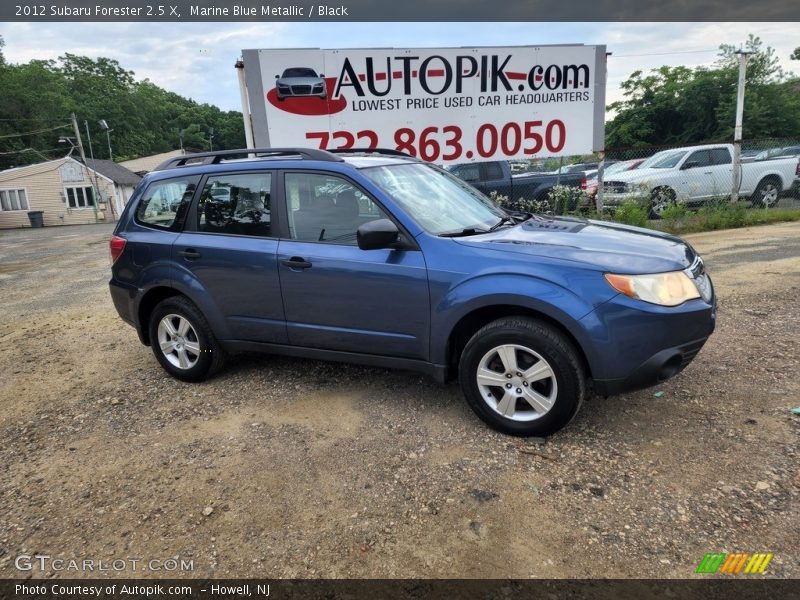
435, 199
663, 160
299, 72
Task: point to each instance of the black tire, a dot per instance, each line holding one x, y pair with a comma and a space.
767, 194
661, 198
561, 357
210, 357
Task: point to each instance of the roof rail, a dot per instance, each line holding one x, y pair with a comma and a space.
213, 158
385, 151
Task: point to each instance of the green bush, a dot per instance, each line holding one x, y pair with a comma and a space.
536, 207
631, 213
675, 216
566, 199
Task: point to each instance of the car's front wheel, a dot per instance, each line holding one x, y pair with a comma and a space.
661, 198
182, 340
522, 377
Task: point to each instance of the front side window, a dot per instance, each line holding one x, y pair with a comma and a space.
326, 208
236, 204
80, 197
439, 202
701, 157
163, 202
13, 200
469, 172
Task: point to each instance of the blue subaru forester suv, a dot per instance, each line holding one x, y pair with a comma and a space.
377, 258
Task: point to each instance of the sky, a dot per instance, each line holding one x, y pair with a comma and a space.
197, 60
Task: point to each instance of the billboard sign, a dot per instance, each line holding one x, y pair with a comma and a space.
445, 105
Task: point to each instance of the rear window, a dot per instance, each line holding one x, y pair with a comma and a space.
164, 203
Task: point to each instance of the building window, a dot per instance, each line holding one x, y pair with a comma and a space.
13, 200
80, 197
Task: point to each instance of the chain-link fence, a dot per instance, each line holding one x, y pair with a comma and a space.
654, 178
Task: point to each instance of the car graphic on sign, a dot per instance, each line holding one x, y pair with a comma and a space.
300, 82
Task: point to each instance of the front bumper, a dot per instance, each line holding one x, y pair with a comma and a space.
639, 345
659, 367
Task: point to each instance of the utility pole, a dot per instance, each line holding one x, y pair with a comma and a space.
83, 159
94, 168
737, 130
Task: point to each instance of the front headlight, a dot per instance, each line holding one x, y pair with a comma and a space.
666, 289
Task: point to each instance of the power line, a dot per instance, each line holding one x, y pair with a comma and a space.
11, 135
33, 119
664, 53
31, 150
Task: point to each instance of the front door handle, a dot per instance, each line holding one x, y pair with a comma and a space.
296, 262
189, 253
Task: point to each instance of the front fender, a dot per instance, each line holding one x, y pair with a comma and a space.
555, 302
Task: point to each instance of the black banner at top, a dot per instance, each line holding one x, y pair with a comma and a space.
407, 10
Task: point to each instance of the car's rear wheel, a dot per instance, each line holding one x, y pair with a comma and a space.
182, 340
522, 377
767, 193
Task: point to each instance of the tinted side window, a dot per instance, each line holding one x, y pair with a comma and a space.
468, 172
493, 171
720, 156
236, 204
701, 157
326, 208
165, 202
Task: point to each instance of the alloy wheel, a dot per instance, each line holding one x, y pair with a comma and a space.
517, 382
178, 341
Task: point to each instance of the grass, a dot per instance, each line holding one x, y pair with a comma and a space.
678, 219
713, 216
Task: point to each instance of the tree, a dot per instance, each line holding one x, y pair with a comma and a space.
679, 105
796, 54
146, 119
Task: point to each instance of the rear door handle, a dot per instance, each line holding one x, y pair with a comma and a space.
296, 262
189, 253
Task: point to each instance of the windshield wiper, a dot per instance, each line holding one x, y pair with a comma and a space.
501, 222
464, 232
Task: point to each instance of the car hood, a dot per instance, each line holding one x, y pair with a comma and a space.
599, 245
636, 175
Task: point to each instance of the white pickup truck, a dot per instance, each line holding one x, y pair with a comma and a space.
697, 174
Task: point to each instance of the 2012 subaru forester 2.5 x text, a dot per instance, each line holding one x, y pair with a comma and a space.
377, 258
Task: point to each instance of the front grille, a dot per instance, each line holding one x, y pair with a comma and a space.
301, 90
614, 187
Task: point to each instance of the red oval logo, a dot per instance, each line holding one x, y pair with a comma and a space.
309, 105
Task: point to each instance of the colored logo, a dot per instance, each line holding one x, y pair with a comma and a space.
735, 564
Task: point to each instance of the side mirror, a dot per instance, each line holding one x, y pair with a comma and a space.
322, 74
690, 164
378, 234
277, 76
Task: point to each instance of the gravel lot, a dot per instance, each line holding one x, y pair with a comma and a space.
291, 468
